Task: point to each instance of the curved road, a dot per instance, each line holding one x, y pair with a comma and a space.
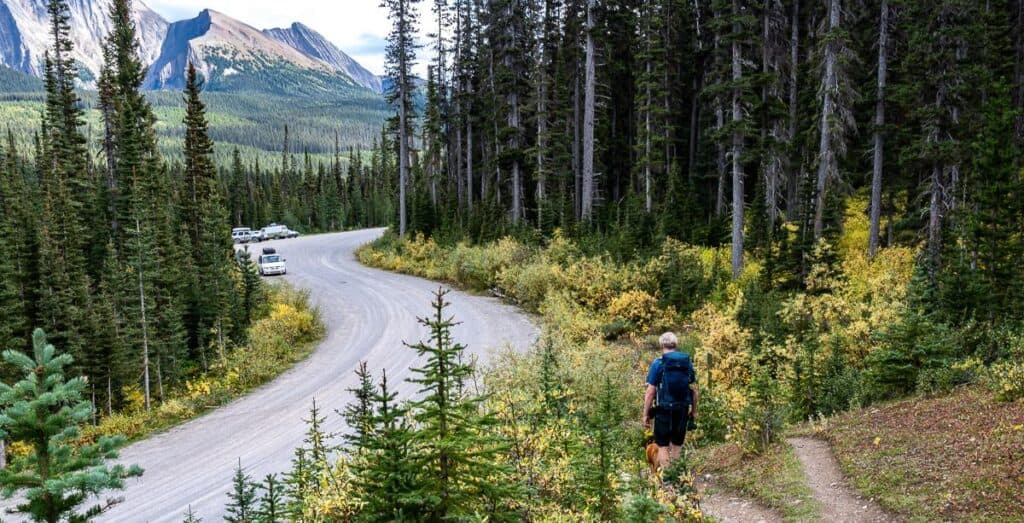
369, 313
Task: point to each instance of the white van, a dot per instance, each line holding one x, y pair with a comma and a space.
270, 263
274, 231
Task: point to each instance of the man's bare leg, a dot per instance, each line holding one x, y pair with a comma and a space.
674, 452
663, 457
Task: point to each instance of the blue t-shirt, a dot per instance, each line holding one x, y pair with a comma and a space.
656, 371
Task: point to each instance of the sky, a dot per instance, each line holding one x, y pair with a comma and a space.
357, 27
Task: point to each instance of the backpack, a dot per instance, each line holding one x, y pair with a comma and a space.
674, 390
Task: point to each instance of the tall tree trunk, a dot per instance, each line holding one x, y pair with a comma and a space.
145, 325
827, 163
879, 136
577, 172
517, 181
737, 151
403, 122
648, 199
935, 212
587, 204
793, 182
1017, 23
469, 163
542, 140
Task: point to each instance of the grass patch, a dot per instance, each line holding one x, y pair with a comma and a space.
285, 336
775, 478
958, 457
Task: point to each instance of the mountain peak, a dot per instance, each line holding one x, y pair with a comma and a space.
24, 33
311, 43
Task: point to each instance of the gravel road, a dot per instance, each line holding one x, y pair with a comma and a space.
369, 313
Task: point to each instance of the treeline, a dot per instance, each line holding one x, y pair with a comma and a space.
126, 258
252, 122
718, 122
352, 190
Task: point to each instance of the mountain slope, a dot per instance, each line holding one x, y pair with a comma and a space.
234, 56
313, 44
25, 36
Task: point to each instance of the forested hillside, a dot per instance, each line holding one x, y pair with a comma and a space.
254, 123
123, 254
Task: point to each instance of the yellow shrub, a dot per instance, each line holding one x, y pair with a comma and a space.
528, 284
640, 309
1007, 380
566, 318
728, 343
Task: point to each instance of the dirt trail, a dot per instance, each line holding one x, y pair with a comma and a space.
839, 503
726, 507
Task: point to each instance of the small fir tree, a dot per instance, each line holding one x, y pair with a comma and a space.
457, 455
242, 508
57, 475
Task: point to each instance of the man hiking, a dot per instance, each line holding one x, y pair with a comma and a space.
674, 402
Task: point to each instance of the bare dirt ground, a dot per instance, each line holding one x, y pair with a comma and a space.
839, 503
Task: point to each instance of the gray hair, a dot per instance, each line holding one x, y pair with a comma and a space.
668, 340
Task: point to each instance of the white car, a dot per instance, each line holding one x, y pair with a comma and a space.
271, 263
241, 235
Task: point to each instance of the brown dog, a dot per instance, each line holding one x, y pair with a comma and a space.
652, 458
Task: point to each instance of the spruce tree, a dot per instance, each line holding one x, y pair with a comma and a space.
457, 456
190, 516
385, 474
401, 57
64, 300
271, 501
243, 505
47, 411
358, 414
206, 219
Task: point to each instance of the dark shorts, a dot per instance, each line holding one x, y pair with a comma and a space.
670, 427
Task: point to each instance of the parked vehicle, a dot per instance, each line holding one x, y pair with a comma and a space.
257, 236
241, 235
273, 231
271, 263
288, 233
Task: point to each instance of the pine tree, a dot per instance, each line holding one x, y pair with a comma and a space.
271, 501
64, 300
401, 57
358, 414
836, 117
44, 409
385, 472
208, 231
243, 505
250, 295
13, 298
456, 455
190, 516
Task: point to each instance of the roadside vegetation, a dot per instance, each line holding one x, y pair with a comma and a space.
769, 358
285, 331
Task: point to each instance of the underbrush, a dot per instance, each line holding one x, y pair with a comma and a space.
770, 353
286, 333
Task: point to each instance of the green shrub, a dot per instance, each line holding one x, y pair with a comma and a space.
941, 380
913, 344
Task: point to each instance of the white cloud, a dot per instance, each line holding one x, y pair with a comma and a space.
357, 27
